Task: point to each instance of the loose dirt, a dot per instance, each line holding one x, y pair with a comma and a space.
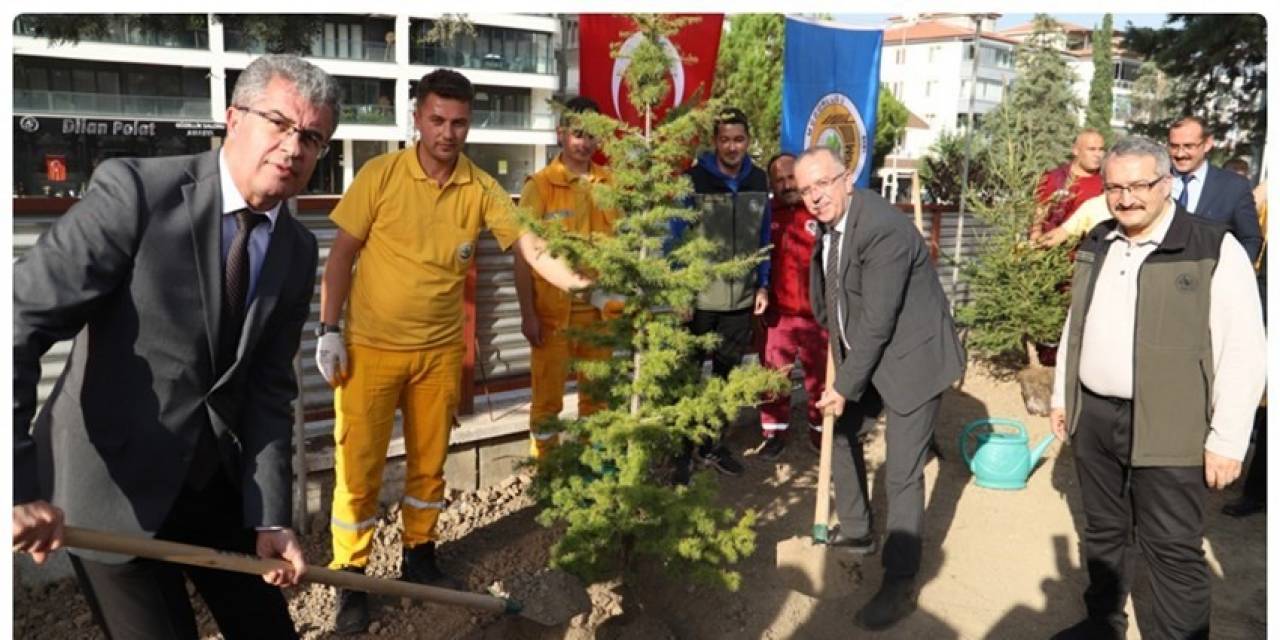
996, 564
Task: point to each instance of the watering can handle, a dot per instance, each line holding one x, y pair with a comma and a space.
964, 433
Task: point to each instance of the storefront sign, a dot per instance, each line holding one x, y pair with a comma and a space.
111, 127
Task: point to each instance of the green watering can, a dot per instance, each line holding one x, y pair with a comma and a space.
1000, 460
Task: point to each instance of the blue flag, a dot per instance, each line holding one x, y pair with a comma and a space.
830, 84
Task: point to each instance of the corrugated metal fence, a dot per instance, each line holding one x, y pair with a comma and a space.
502, 351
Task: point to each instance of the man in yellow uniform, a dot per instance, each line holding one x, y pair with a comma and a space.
561, 194
412, 218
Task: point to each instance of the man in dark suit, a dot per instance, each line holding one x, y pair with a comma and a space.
893, 344
185, 282
1207, 191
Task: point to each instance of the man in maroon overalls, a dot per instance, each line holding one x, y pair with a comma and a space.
791, 331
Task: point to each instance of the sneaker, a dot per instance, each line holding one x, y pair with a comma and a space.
772, 448
419, 565
353, 609
723, 461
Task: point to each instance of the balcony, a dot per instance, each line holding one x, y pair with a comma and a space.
368, 114
125, 30
106, 104
442, 57
516, 120
363, 50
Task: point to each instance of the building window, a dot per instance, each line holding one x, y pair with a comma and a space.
191, 31
90, 87
495, 48
900, 55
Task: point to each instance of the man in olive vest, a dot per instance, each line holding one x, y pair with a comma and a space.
1164, 364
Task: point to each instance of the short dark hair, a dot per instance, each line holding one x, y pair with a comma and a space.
730, 115
768, 166
1185, 120
578, 104
1237, 164
445, 83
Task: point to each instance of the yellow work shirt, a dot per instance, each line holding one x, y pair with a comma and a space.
557, 195
419, 242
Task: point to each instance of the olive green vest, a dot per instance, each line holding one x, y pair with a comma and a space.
1172, 352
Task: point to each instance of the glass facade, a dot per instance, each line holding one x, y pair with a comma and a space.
92, 88
502, 108
509, 164
341, 37
367, 100
494, 48
187, 31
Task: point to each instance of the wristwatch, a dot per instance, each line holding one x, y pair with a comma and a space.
323, 328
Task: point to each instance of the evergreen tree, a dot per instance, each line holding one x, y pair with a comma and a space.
1100, 87
1217, 68
1040, 106
943, 166
1015, 294
606, 483
749, 76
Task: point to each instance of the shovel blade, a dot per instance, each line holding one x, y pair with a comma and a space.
817, 570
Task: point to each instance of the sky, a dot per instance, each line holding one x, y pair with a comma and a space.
1014, 19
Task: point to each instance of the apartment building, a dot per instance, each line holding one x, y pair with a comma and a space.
133, 92
927, 62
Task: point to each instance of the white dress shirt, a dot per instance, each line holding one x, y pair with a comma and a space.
826, 255
233, 201
1193, 188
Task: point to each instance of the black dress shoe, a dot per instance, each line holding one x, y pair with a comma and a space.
353, 609
894, 601
1244, 506
1089, 629
864, 546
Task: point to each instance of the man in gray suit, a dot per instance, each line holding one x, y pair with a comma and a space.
894, 346
185, 282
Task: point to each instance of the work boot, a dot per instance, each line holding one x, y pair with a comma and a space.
893, 602
419, 565
772, 448
353, 608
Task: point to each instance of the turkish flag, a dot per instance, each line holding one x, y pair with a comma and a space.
601, 78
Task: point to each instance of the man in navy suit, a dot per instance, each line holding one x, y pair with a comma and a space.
1207, 191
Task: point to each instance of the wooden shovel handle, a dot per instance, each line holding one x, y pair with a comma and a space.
822, 511
229, 561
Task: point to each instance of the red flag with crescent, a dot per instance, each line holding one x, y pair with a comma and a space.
692, 54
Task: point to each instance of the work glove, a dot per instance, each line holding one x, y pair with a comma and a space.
609, 304
331, 358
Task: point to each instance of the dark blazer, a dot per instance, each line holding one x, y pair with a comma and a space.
134, 272
897, 320
1227, 197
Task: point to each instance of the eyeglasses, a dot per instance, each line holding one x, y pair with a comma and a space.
821, 185
1136, 189
313, 141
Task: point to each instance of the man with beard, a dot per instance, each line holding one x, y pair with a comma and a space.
733, 197
791, 332
1163, 368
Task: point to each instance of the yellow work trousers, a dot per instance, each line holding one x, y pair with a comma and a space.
425, 386
550, 368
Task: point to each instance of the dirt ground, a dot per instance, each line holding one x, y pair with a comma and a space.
996, 564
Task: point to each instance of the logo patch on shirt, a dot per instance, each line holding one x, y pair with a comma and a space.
1185, 282
812, 227
560, 214
465, 250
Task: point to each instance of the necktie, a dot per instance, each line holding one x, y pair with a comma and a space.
831, 280
235, 286
1186, 189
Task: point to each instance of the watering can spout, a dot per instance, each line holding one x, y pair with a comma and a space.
1038, 452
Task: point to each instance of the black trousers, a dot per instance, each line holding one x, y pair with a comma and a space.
736, 338
1255, 481
147, 599
1158, 509
907, 440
